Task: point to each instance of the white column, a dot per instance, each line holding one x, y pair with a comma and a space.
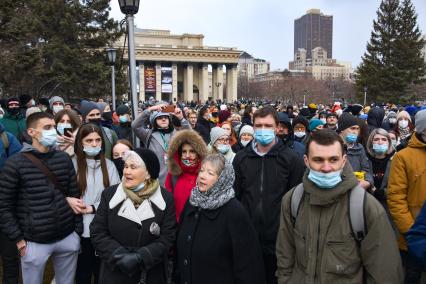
141, 82
231, 83
203, 82
175, 82
188, 83
218, 82
158, 80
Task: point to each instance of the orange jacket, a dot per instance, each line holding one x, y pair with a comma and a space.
407, 186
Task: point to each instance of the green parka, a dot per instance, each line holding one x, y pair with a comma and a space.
320, 248
15, 124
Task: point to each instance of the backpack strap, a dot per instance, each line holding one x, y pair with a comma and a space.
108, 134
356, 212
5, 141
296, 197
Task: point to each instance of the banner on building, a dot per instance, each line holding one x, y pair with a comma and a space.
166, 80
150, 81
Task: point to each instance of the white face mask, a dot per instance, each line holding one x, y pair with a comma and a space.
299, 134
403, 123
57, 108
244, 143
392, 120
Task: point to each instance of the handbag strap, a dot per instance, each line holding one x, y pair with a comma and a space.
39, 164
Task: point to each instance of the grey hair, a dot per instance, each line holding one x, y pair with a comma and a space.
217, 161
373, 133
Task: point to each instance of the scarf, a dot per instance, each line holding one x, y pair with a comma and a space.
404, 132
139, 197
219, 194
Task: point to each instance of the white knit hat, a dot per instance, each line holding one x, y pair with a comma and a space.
216, 133
246, 129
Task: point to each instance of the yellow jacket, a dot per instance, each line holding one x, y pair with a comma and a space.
407, 186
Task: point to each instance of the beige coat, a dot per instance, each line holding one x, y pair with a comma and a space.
319, 247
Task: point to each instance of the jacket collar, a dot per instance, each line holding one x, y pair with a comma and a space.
274, 151
323, 197
143, 212
210, 214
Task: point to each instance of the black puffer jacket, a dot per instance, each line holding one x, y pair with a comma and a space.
30, 207
203, 128
261, 182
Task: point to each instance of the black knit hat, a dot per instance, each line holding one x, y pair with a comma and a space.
151, 161
122, 109
24, 99
345, 121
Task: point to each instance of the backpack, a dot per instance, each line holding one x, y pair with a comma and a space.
5, 141
356, 200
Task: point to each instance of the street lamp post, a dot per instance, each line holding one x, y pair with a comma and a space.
112, 52
130, 8
365, 95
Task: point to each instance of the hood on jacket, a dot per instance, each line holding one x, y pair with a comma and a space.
187, 136
375, 117
324, 197
415, 142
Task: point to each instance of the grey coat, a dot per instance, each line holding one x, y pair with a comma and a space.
153, 141
359, 161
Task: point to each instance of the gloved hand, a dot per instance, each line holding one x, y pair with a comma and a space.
129, 262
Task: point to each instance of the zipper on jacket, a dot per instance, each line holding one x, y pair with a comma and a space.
318, 243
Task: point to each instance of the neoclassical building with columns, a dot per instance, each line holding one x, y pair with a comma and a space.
180, 68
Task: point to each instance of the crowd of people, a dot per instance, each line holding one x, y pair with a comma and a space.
243, 192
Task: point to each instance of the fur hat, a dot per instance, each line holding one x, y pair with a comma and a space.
186, 136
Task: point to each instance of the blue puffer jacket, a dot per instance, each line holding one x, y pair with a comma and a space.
14, 146
416, 237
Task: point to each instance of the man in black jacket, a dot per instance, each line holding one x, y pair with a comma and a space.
264, 172
34, 212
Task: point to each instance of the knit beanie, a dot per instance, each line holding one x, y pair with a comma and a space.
345, 121
246, 129
24, 99
56, 99
122, 109
391, 114
403, 114
151, 161
14, 100
31, 110
216, 133
314, 123
101, 106
86, 107
420, 121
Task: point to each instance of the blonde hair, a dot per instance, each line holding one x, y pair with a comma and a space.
378, 131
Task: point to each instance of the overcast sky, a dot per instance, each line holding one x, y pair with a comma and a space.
264, 28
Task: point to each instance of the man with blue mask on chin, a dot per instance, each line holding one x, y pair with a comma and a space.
319, 240
264, 171
349, 129
36, 185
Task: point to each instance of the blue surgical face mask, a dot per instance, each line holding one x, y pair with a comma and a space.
380, 148
394, 144
48, 137
245, 143
92, 151
264, 136
61, 127
123, 118
325, 180
139, 187
351, 138
223, 148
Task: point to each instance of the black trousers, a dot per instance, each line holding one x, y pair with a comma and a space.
270, 264
10, 259
88, 263
413, 268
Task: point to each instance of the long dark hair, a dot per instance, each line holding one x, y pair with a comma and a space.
85, 130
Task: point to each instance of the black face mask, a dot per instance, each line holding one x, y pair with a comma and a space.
13, 111
119, 164
96, 121
107, 115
